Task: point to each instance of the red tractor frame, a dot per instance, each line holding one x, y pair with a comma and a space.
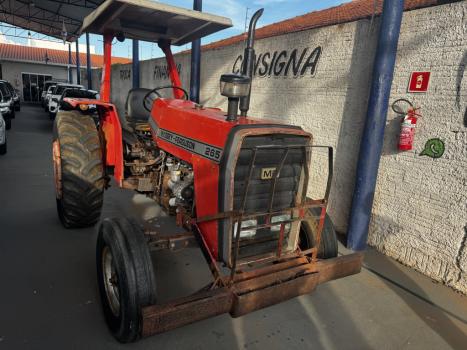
236, 185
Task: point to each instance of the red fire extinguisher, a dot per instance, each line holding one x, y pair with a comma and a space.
407, 134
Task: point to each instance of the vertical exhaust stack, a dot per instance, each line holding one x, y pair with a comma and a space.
249, 60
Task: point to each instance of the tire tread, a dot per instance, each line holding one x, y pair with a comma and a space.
82, 169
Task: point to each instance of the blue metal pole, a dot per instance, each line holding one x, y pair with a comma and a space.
195, 60
70, 73
373, 132
78, 66
88, 62
135, 64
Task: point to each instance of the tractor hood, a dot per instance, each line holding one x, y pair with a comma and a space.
178, 121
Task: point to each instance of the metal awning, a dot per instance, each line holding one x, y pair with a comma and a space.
151, 21
48, 17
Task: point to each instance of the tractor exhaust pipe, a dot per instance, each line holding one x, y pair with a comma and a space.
248, 61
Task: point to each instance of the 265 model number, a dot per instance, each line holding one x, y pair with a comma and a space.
212, 153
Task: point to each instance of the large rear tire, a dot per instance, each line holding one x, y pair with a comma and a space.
309, 232
78, 169
125, 276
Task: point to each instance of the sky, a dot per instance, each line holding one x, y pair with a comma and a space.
236, 10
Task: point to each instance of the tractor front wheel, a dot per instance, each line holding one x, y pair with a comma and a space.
125, 276
78, 169
309, 233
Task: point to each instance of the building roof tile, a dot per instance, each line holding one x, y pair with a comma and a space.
348, 12
43, 55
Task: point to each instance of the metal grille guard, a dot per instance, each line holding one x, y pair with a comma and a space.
268, 281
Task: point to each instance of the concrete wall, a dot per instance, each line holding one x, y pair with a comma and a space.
419, 214
420, 210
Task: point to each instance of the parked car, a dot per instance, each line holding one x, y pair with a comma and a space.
56, 95
6, 105
76, 94
15, 95
2, 135
45, 90
48, 93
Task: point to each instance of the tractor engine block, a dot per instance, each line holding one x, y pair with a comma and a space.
159, 175
177, 185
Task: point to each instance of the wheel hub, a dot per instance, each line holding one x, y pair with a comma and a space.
110, 281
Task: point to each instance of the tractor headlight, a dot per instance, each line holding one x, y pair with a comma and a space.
246, 233
234, 85
279, 219
84, 107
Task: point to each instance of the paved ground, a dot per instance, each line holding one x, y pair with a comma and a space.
48, 290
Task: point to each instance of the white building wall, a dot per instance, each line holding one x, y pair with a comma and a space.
12, 71
420, 209
419, 213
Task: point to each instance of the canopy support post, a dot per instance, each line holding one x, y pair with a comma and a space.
106, 71
88, 63
78, 66
70, 72
172, 67
135, 64
195, 61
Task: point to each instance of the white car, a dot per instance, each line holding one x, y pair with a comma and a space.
48, 93
2, 135
6, 107
45, 89
55, 97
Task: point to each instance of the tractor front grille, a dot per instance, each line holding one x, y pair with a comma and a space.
267, 162
261, 159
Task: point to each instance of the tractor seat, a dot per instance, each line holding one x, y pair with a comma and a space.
135, 113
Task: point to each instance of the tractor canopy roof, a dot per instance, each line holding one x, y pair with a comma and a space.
152, 21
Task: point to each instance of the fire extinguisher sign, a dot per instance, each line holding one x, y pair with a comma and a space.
419, 81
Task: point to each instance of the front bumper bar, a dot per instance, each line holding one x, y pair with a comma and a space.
250, 291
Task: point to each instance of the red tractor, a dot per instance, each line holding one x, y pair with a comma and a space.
236, 185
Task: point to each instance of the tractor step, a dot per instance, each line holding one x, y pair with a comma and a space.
249, 291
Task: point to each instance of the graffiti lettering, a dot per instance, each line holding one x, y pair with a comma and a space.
162, 71
282, 63
125, 74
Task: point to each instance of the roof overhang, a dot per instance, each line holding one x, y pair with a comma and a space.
48, 17
152, 21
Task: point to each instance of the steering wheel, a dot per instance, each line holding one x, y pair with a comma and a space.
148, 100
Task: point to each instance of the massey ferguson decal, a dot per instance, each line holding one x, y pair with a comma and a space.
297, 63
203, 149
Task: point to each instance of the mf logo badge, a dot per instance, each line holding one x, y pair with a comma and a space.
267, 173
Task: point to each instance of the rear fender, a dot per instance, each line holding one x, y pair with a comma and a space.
111, 132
